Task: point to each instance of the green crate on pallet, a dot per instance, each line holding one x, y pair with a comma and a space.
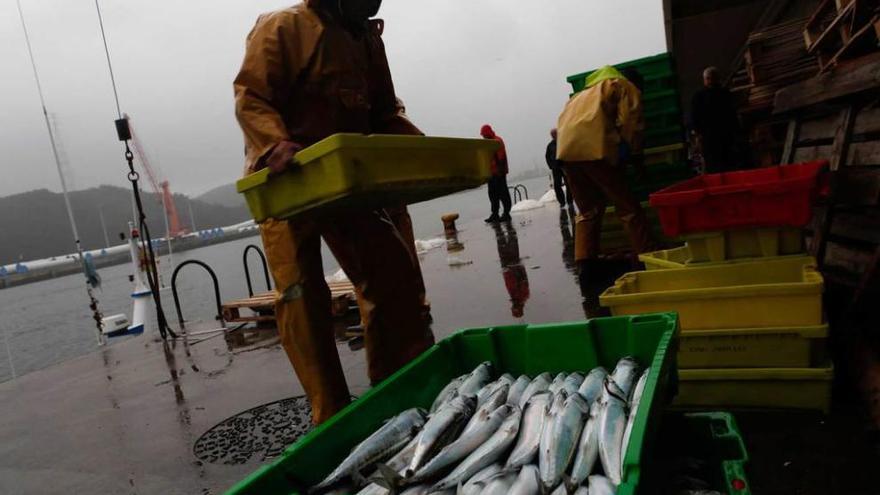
516, 349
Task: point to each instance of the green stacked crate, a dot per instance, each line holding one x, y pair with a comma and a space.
662, 110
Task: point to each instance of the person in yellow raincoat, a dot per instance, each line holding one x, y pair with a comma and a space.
310, 71
595, 125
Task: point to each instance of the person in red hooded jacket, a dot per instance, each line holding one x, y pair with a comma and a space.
498, 192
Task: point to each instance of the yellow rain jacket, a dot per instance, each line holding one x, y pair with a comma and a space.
304, 78
595, 121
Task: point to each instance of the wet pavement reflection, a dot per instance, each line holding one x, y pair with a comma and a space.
516, 279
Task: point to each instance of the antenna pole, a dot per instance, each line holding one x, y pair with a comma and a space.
93, 302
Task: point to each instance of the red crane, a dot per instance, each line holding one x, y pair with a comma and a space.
163, 188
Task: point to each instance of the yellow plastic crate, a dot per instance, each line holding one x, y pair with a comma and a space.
745, 243
794, 347
776, 292
369, 171
680, 257
667, 259
790, 388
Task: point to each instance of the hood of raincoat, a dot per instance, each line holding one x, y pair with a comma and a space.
603, 74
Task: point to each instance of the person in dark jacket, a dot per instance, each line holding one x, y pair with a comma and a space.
714, 120
563, 196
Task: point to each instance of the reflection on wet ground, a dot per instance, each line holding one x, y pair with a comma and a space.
127, 419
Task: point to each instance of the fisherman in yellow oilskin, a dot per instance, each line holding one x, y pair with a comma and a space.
599, 128
310, 71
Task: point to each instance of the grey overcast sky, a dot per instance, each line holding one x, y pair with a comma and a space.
456, 63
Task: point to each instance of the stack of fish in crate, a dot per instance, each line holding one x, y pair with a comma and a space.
748, 296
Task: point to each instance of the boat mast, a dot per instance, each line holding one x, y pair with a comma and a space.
79, 250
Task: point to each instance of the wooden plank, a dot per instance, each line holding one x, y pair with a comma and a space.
810, 153
867, 121
839, 152
861, 76
842, 137
818, 128
864, 153
792, 133
849, 43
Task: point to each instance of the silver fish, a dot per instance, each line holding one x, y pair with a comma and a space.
600, 485
634, 409
546, 441
417, 490
488, 453
478, 378
583, 491
587, 451
387, 440
474, 486
464, 445
565, 432
625, 373
398, 464
572, 382
560, 490
591, 388
490, 389
508, 379
448, 392
528, 482
441, 429
498, 398
541, 383
556, 384
526, 448
499, 484
612, 423
517, 389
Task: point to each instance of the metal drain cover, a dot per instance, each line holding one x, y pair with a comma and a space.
257, 434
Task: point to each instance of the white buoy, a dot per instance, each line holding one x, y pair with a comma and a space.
141, 293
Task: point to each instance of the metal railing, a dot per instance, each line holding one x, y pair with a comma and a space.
177, 297
247, 271
519, 192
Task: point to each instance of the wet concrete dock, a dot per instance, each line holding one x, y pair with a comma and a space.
127, 418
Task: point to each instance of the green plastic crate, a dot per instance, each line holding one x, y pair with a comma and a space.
655, 67
714, 439
517, 349
662, 136
354, 170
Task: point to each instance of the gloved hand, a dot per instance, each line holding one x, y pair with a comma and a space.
281, 156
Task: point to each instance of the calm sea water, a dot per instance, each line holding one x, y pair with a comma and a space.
48, 322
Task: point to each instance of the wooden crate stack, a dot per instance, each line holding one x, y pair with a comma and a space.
775, 57
842, 29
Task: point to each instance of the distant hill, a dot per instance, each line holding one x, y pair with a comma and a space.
223, 196
34, 224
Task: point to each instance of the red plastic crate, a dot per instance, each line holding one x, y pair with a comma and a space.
766, 197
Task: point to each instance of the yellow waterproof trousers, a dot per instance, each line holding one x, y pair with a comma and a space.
593, 185
379, 264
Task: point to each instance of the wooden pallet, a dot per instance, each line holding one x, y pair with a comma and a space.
263, 305
841, 30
